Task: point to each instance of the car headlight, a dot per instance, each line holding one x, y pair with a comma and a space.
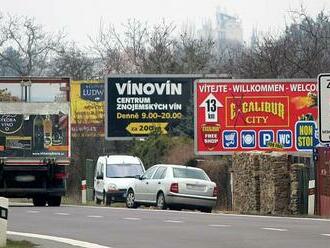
112, 187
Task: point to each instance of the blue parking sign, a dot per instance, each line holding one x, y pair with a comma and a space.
265, 137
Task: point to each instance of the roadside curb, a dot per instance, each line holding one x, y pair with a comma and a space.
46, 241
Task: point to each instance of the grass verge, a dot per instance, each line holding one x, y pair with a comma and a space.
19, 244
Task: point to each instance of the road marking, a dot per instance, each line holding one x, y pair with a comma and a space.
326, 234
190, 212
95, 216
59, 239
64, 214
173, 221
216, 225
275, 229
33, 211
132, 218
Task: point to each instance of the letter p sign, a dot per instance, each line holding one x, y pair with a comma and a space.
265, 137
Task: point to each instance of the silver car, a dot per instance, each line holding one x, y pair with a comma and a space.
174, 187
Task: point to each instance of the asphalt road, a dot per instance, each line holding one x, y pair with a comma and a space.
124, 228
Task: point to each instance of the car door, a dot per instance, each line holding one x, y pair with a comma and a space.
155, 184
98, 182
141, 186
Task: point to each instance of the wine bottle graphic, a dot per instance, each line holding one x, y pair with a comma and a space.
38, 133
57, 133
48, 126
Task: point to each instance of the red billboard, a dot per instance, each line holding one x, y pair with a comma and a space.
263, 114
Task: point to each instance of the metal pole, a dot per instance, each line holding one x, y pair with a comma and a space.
3, 221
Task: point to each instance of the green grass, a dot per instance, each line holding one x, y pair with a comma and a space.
19, 244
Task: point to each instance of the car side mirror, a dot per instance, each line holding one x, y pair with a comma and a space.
138, 177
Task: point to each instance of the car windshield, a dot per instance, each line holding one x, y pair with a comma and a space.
124, 170
189, 173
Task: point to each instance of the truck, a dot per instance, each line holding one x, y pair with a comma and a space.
34, 138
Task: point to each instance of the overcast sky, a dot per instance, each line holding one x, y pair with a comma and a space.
80, 18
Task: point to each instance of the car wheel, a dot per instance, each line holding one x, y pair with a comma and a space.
106, 200
206, 210
39, 201
130, 200
161, 204
96, 200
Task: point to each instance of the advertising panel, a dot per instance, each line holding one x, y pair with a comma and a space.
261, 114
34, 135
140, 105
87, 108
324, 107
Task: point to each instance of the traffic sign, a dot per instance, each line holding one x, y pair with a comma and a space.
324, 107
211, 105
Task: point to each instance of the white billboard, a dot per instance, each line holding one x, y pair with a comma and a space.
324, 107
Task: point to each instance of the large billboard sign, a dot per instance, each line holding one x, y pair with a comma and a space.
87, 108
324, 107
34, 135
262, 114
138, 105
34, 117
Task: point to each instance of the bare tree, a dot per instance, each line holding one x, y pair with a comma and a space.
307, 44
160, 56
121, 53
302, 50
31, 46
72, 61
195, 54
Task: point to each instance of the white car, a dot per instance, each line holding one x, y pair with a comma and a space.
173, 186
113, 175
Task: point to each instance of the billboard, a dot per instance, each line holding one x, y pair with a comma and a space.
138, 105
34, 135
87, 108
324, 107
262, 114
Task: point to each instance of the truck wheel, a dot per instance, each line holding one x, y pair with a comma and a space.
54, 201
39, 201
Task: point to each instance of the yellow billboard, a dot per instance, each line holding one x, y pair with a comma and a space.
87, 108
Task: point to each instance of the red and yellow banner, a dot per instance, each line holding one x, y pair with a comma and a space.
243, 115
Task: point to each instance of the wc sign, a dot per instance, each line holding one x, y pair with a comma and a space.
263, 114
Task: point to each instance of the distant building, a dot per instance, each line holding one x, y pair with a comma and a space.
228, 28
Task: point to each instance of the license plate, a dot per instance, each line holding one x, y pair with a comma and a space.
196, 187
25, 178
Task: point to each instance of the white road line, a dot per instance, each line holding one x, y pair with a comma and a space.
132, 218
33, 211
197, 213
95, 216
173, 221
325, 234
216, 225
64, 214
59, 239
275, 229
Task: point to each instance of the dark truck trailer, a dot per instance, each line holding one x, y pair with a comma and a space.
34, 138
43, 180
